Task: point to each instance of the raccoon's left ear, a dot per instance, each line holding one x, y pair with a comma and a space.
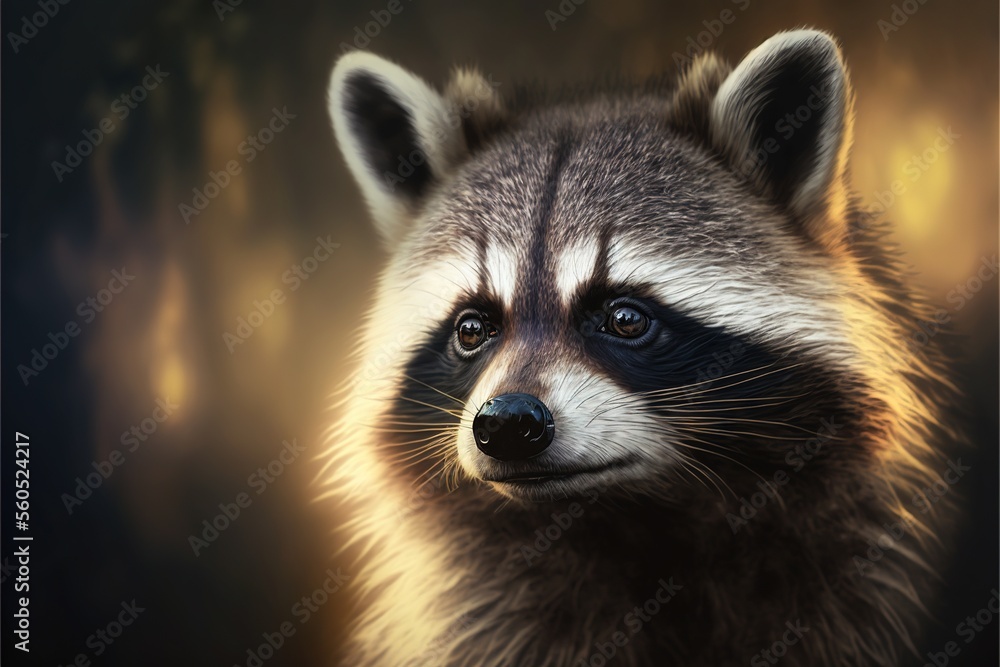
399, 136
783, 118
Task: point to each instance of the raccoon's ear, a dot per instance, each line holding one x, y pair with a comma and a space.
398, 136
783, 118
478, 103
696, 90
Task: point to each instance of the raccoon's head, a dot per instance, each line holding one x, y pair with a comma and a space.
628, 288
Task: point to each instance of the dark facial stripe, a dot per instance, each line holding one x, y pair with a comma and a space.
537, 288
481, 251
602, 268
422, 409
759, 405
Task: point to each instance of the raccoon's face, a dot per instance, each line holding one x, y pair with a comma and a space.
630, 292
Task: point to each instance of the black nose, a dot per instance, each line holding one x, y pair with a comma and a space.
513, 426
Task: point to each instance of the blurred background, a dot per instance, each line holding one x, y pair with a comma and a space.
158, 374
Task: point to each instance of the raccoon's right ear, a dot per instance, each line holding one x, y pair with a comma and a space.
783, 118
398, 135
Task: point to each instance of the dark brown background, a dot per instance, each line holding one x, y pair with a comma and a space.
162, 337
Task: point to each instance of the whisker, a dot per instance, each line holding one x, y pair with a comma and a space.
685, 471
393, 451
400, 445
404, 430
672, 405
432, 388
688, 390
729, 458
431, 405
423, 454
745, 398
733, 434
684, 389
706, 471
747, 420
660, 430
429, 442
417, 482
588, 382
402, 423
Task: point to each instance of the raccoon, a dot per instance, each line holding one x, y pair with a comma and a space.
639, 382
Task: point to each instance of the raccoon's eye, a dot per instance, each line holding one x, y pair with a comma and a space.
472, 330
627, 322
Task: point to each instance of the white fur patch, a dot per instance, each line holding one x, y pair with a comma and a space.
501, 271
802, 306
574, 267
597, 423
398, 325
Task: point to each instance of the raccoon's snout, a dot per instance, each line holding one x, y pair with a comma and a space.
513, 426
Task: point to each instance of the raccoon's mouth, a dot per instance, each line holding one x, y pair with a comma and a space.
538, 477
532, 477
